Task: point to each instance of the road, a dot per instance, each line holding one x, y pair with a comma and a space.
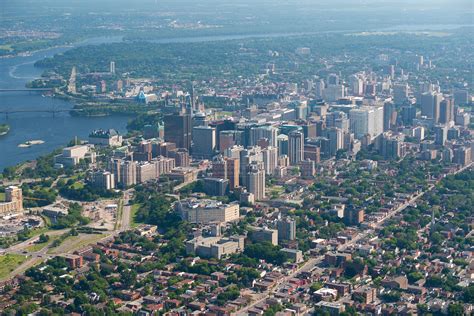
125, 219
36, 257
313, 262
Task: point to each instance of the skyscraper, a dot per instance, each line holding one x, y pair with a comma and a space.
400, 93
388, 113
446, 111
255, 180
233, 172
178, 129
336, 140
366, 120
260, 132
112, 67
248, 156
430, 104
204, 141
295, 147
270, 159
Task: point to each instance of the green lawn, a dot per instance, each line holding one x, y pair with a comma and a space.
133, 213
2, 196
10, 262
78, 185
36, 247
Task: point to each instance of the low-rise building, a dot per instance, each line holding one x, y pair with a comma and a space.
264, 235
207, 211
108, 137
294, 255
13, 201
215, 247
71, 156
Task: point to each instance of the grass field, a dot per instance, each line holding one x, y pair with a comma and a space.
2, 196
10, 262
36, 247
76, 242
133, 213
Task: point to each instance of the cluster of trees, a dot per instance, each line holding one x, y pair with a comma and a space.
138, 123
231, 293
73, 218
84, 192
266, 251
137, 241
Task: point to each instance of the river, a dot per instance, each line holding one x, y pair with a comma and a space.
55, 131
59, 130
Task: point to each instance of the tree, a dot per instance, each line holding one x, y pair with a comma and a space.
468, 294
455, 310
267, 252
43, 238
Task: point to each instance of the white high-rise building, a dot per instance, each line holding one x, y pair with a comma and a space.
259, 132
270, 159
255, 180
366, 120
334, 92
248, 156
112, 67
357, 85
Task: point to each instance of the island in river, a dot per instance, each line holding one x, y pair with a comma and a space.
4, 129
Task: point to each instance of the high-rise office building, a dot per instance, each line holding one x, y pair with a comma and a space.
446, 111
319, 87
389, 116
441, 134
247, 156
204, 141
408, 114
282, 142
112, 67
255, 180
178, 129
295, 147
400, 93
366, 121
260, 132
336, 140
334, 92
461, 97
430, 104
233, 172
227, 139
337, 119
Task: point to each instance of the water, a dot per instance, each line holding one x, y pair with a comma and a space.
59, 130
55, 131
